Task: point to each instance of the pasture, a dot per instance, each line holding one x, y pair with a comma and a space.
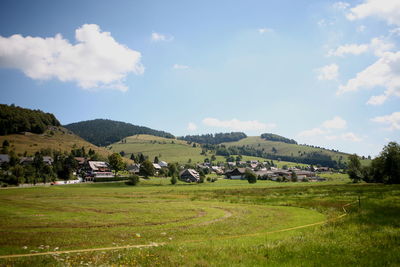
226, 223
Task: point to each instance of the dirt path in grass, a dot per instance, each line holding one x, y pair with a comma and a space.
227, 215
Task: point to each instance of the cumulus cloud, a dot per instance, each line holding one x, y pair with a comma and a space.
159, 37
388, 10
385, 72
349, 49
335, 123
238, 125
264, 30
377, 45
179, 67
328, 72
326, 128
393, 120
192, 127
351, 137
95, 61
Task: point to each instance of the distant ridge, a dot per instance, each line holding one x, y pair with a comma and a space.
103, 132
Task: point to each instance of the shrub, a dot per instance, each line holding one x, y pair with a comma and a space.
173, 179
133, 180
251, 177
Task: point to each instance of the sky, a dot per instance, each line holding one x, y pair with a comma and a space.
325, 73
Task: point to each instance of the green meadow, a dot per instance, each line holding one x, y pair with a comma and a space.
225, 223
173, 150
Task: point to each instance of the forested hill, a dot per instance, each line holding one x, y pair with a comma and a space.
105, 132
277, 138
15, 119
214, 139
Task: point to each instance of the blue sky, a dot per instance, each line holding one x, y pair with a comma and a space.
322, 72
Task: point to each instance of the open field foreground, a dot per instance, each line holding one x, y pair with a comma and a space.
226, 223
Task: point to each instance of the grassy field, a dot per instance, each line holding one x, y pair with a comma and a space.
60, 139
170, 150
283, 148
226, 223
174, 150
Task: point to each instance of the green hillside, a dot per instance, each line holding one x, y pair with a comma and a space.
283, 150
172, 150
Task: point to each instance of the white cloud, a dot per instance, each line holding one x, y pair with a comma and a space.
393, 120
380, 46
192, 127
180, 67
335, 123
95, 61
388, 10
377, 45
312, 132
351, 137
349, 49
238, 125
159, 37
385, 72
340, 5
328, 72
265, 30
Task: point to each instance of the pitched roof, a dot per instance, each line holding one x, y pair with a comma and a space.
95, 165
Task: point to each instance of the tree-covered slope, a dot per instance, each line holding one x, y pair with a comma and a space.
15, 119
105, 132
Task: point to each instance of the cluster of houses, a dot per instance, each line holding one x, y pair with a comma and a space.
96, 170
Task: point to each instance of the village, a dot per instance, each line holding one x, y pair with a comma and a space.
100, 171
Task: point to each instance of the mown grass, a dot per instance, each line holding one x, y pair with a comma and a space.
226, 223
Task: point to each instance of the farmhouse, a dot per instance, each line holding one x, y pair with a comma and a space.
134, 168
98, 169
156, 166
189, 175
29, 160
163, 164
237, 173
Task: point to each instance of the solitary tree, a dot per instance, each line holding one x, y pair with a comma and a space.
354, 168
147, 168
293, 177
172, 169
250, 176
116, 163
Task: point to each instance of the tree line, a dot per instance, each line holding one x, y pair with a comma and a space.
214, 139
277, 138
103, 132
14, 119
383, 169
